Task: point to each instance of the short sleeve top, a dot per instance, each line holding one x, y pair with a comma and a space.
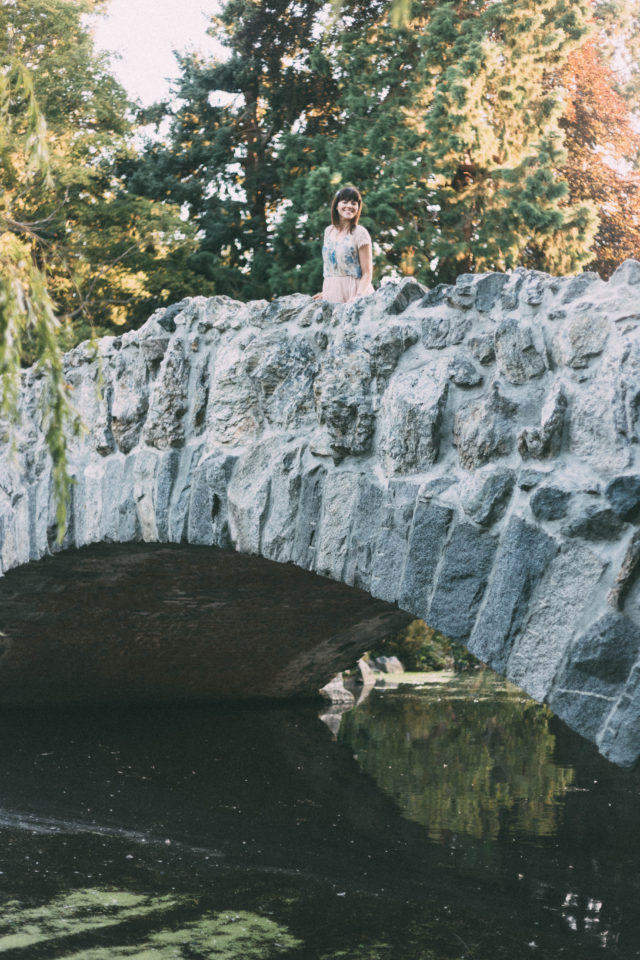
340, 252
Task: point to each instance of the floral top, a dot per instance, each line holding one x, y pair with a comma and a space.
340, 252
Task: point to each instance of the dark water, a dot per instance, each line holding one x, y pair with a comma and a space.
462, 821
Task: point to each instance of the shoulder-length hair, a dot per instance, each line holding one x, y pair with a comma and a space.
346, 193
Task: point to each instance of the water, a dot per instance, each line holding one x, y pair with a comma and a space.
458, 821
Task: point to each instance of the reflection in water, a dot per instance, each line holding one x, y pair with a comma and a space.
470, 825
471, 758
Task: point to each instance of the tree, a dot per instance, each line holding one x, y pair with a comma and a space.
27, 318
451, 128
602, 136
100, 246
222, 159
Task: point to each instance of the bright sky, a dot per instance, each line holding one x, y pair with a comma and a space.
145, 33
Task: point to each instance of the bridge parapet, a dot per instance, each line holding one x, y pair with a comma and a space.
469, 453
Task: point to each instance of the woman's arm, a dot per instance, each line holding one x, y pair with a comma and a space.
365, 256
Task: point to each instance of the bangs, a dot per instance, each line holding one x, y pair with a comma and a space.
348, 193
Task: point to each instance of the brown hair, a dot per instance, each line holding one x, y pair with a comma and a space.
346, 193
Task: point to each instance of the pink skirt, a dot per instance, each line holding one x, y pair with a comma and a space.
341, 289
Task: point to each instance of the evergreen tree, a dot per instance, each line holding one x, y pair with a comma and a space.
222, 160
451, 129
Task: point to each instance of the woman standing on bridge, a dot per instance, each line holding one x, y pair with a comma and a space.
346, 252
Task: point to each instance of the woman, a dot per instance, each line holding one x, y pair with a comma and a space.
346, 253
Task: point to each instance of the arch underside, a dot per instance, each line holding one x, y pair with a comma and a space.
163, 622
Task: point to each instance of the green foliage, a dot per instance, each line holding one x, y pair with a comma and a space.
503, 780
420, 647
446, 116
451, 130
109, 257
27, 319
225, 154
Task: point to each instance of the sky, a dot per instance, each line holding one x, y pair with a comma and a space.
145, 32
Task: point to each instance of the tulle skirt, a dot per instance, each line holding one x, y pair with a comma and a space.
341, 289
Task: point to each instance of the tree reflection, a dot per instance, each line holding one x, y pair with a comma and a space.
476, 759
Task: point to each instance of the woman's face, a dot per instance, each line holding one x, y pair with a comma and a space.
347, 209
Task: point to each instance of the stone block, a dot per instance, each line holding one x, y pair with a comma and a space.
233, 411
484, 429
370, 501
164, 427
249, 495
343, 398
482, 348
208, 512
517, 356
427, 537
546, 440
524, 554
581, 337
180, 497
597, 423
387, 346
619, 739
463, 294
550, 625
444, 327
461, 581
627, 274
341, 491
623, 493
281, 520
463, 372
399, 296
528, 479
130, 398
488, 289
550, 503
144, 484
308, 518
595, 673
394, 523
594, 523
572, 288
282, 367
486, 494
435, 296
166, 474
410, 419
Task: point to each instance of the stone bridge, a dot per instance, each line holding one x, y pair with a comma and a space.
262, 490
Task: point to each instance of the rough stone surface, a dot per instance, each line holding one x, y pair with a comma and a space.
517, 357
597, 665
483, 430
410, 420
486, 495
469, 453
545, 440
623, 494
550, 503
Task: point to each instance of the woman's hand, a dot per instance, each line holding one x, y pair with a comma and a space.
317, 296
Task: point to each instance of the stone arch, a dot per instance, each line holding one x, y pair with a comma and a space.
466, 454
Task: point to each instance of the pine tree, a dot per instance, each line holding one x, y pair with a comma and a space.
452, 131
223, 159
